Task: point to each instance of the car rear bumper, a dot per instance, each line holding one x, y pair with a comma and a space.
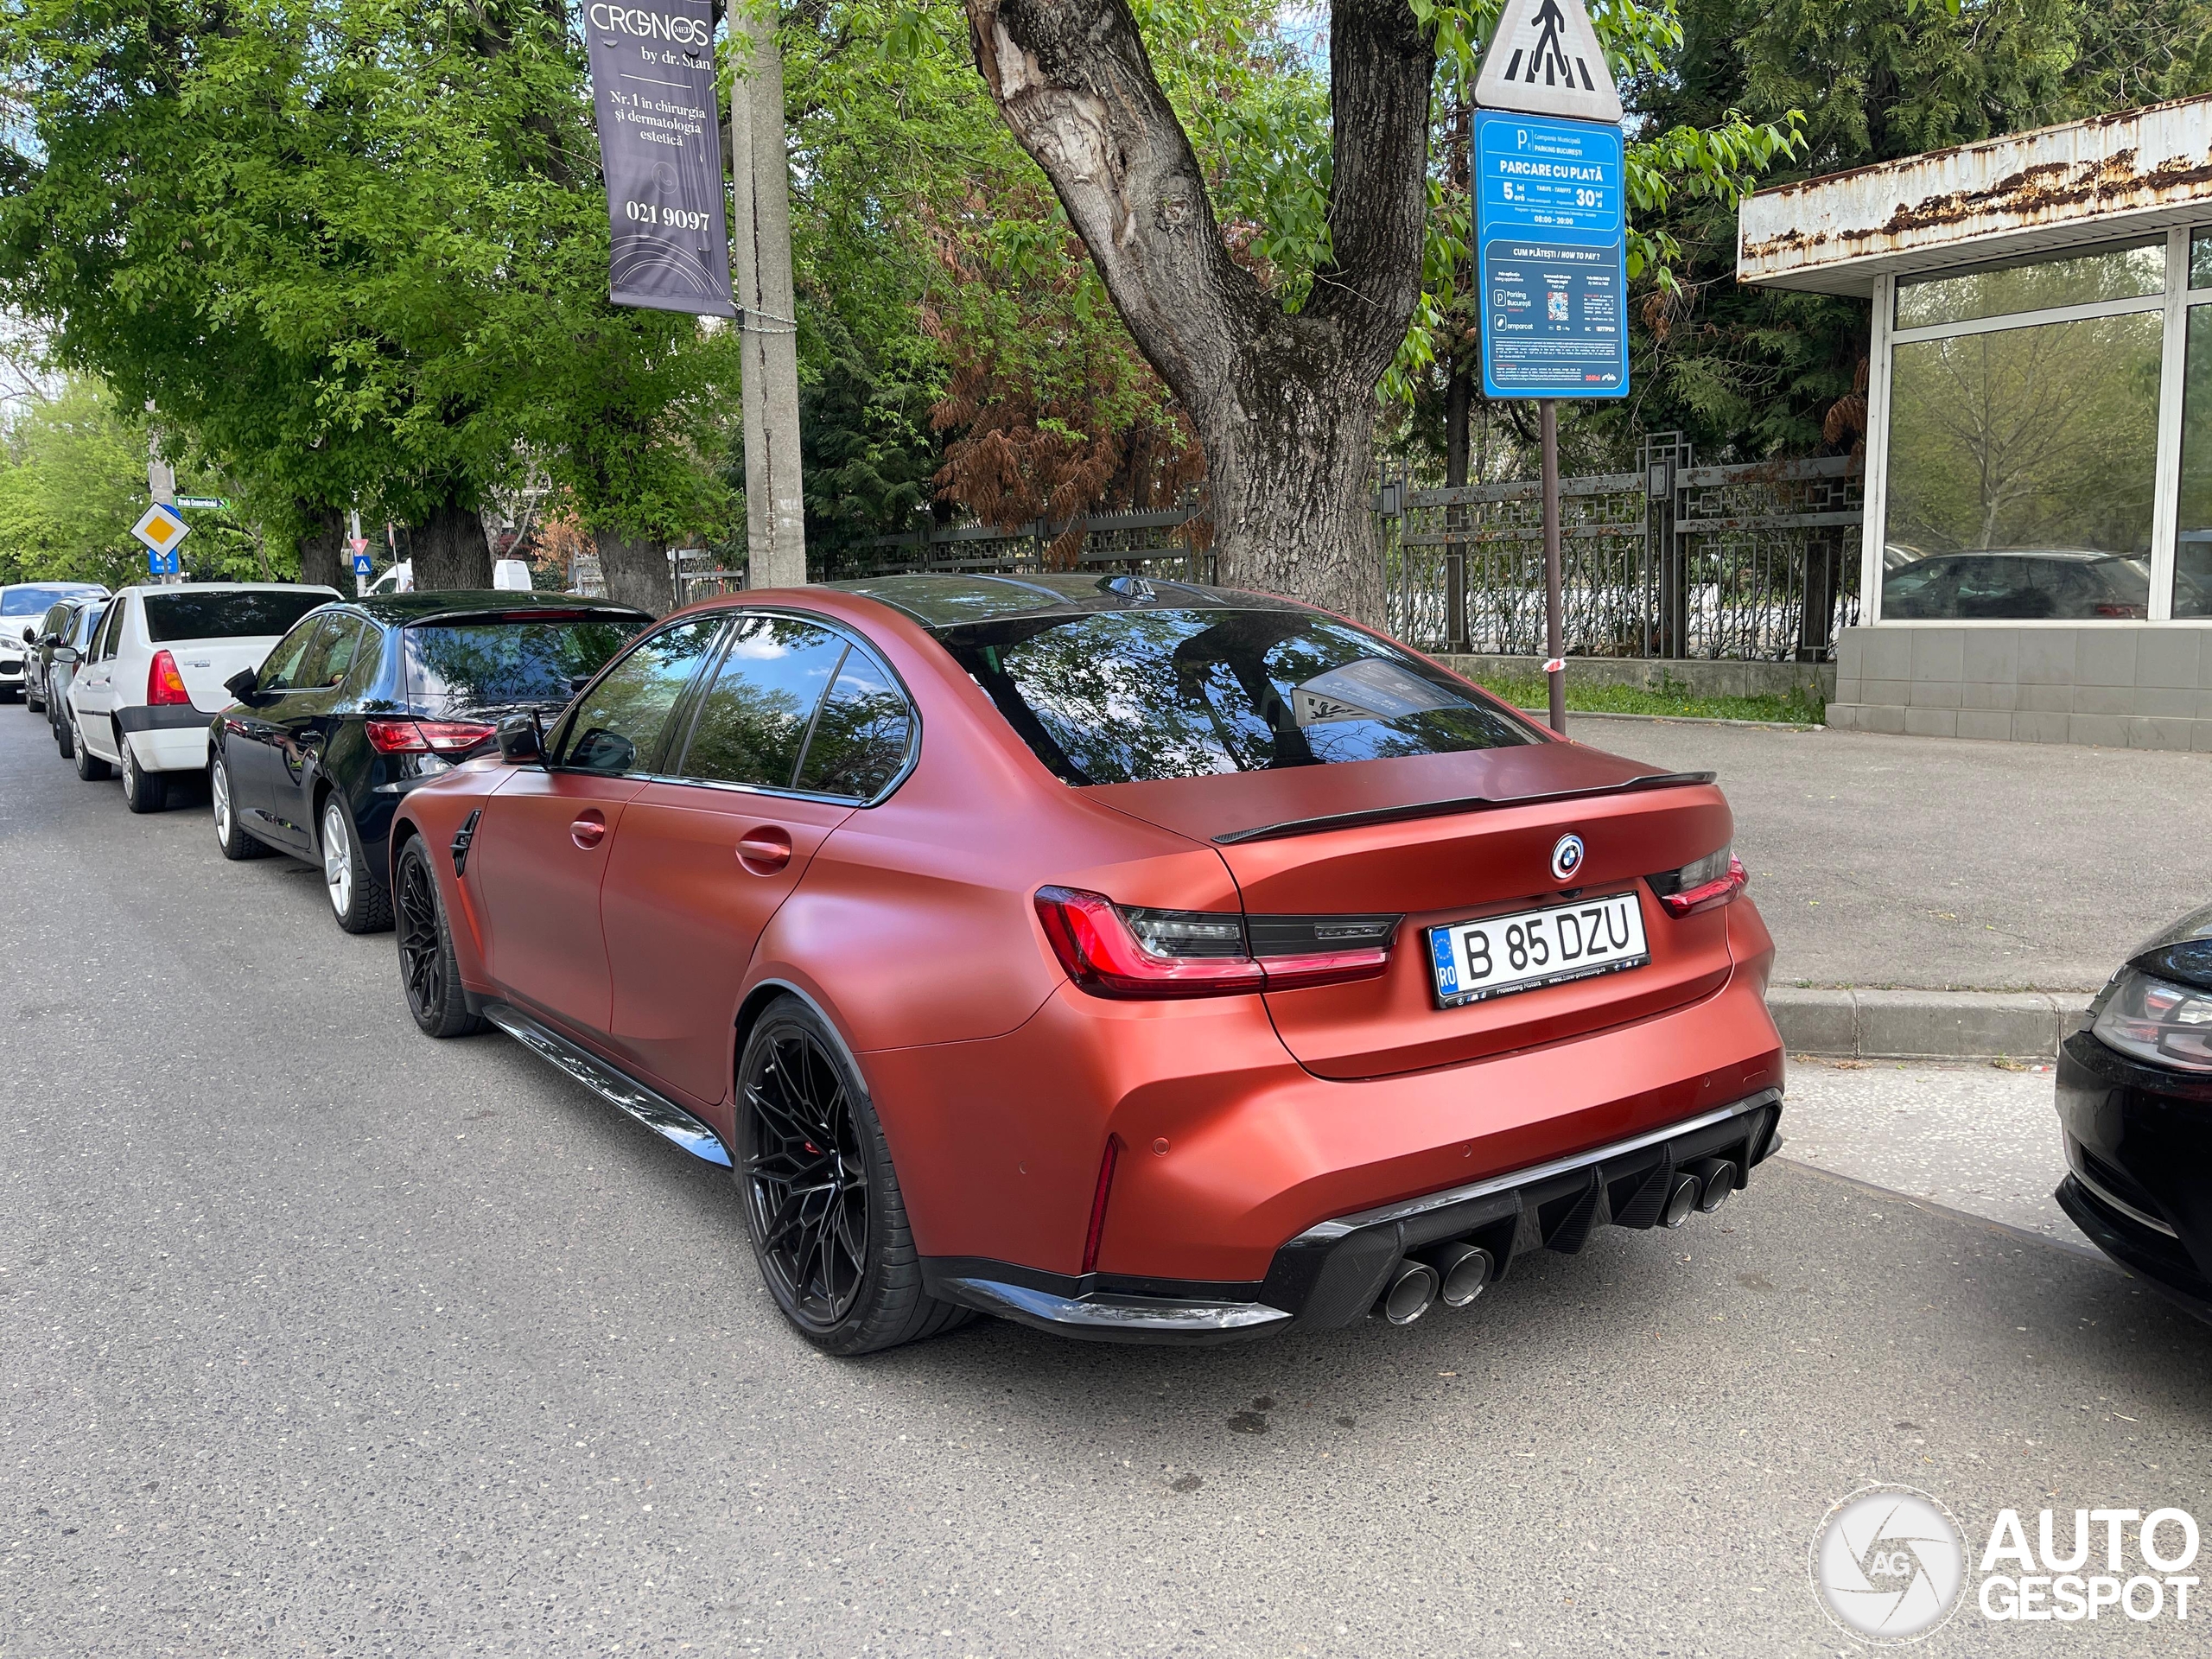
1239, 1170
168, 739
2137, 1140
1335, 1271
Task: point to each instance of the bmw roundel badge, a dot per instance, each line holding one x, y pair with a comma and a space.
1566, 857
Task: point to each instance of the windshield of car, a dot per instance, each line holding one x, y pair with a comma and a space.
483, 662
1125, 697
236, 613
33, 601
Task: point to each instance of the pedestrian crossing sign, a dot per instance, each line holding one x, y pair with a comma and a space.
1545, 59
160, 529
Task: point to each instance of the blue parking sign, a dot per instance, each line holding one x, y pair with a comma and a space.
1551, 232
161, 564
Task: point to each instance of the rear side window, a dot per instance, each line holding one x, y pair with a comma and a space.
281, 669
862, 736
483, 663
755, 716
235, 615
88, 624
1127, 697
621, 723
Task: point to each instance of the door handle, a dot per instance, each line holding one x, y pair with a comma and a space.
588, 831
766, 850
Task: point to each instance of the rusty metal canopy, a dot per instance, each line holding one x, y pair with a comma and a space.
2106, 180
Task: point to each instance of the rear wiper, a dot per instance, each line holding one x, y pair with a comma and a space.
1464, 804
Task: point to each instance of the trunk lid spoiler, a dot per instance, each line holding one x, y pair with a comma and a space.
1461, 803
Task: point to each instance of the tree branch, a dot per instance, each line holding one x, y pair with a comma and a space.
1381, 63
1075, 84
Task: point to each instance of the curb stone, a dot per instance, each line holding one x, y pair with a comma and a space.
1924, 1024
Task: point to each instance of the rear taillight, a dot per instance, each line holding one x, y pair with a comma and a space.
1709, 883
388, 736
1111, 950
164, 685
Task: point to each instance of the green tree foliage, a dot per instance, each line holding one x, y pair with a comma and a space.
72, 482
358, 250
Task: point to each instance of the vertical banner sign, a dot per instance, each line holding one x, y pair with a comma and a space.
1551, 229
653, 78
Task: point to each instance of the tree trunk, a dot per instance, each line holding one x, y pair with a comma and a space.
323, 561
636, 568
1284, 405
450, 549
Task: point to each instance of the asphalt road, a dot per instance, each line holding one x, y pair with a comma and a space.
1941, 864
319, 1337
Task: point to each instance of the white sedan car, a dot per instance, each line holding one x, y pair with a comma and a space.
153, 676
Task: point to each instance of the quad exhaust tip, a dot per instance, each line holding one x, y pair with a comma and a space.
1411, 1292
1683, 1192
1716, 1178
1463, 1271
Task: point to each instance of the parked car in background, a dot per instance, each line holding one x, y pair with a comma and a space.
508, 576
1134, 960
23, 605
53, 663
363, 701
2026, 583
2135, 1110
41, 638
143, 695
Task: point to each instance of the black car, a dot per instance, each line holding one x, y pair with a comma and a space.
51, 655
366, 698
2135, 1110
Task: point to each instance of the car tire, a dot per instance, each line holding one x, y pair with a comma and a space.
357, 899
229, 835
142, 791
428, 974
58, 718
796, 1091
90, 766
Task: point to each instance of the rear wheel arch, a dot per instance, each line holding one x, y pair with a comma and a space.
757, 1002
403, 829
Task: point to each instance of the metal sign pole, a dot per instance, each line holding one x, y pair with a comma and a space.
1555, 630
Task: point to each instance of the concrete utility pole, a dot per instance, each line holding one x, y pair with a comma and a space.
161, 478
760, 247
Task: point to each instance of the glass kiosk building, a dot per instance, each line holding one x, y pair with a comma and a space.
2037, 562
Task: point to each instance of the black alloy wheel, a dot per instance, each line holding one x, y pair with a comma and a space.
823, 1204
427, 967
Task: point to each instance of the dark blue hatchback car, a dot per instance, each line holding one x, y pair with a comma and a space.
366, 698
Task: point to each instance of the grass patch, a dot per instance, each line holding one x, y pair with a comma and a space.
1799, 706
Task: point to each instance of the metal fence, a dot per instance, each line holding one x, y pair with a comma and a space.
1747, 561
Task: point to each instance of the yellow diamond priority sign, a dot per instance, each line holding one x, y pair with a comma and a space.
160, 529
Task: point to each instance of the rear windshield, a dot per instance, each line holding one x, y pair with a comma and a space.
234, 615
483, 663
35, 601
1126, 697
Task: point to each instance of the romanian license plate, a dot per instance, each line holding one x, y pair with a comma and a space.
1498, 955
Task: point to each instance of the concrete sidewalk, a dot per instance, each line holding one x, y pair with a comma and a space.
1939, 897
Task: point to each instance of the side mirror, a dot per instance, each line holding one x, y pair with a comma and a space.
30, 635
245, 686
521, 738
64, 653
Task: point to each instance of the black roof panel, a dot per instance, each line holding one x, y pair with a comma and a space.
950, 601
396, 610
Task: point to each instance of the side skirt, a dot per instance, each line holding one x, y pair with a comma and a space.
655, 1110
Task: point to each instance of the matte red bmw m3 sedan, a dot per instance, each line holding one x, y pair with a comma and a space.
1129, 959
